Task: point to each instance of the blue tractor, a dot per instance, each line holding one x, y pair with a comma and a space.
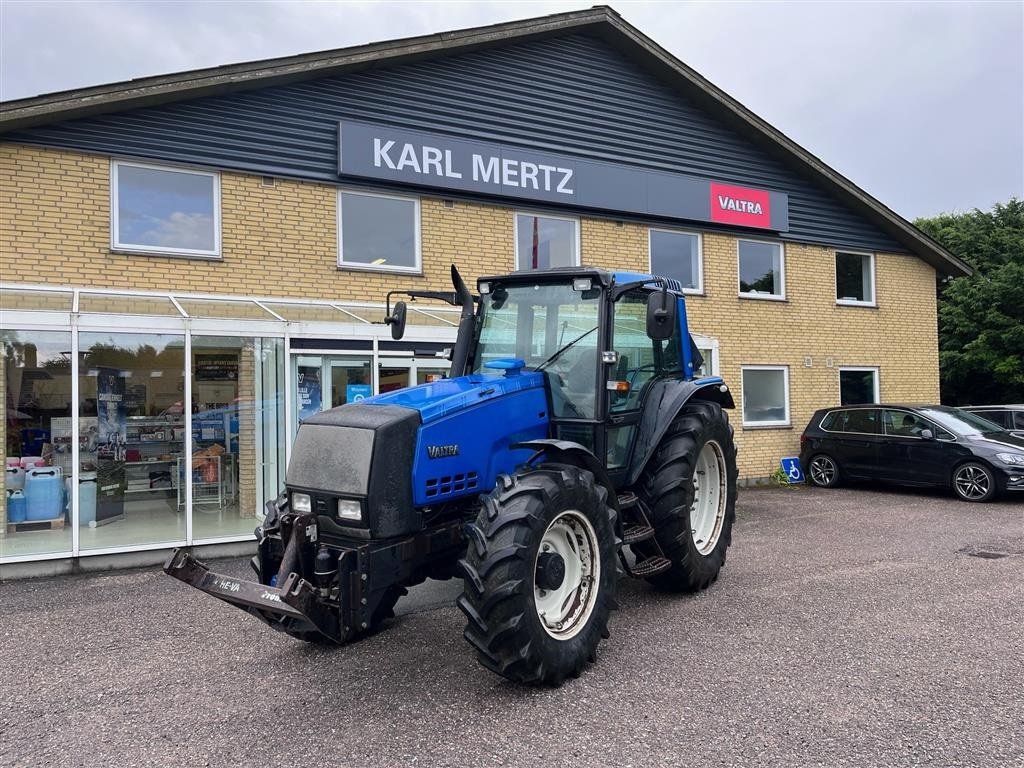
574, 442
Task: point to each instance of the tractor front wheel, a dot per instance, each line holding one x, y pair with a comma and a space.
689, 493
540, 574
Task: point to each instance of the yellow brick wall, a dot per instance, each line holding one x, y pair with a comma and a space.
281, 241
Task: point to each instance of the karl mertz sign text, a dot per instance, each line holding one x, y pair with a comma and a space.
433, 160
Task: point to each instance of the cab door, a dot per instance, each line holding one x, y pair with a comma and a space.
640, 361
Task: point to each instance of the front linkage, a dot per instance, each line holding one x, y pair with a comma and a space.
309, 587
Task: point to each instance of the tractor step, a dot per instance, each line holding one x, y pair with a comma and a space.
627, 500
651, 566
634, 534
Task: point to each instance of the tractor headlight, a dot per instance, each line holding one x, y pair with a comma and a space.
301, 502
1011, 458
349, 509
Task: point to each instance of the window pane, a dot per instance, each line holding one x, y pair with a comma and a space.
764, 396
50, 301
760, 267
131, 430
165, 209
857, 387
126, 304
903, 424
35, 370
544, 242
862, 420
237, 432
230, 310
378, 231
676, 254
853, 277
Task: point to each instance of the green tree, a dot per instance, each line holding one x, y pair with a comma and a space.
981, 317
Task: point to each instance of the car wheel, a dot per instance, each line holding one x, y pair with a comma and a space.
823, 471
974, 481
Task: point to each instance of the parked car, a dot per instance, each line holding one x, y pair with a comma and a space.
1009, 417
921, 445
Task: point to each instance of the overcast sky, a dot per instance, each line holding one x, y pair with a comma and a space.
921, 104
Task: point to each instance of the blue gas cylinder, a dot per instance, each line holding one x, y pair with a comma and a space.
44, 493
16, 506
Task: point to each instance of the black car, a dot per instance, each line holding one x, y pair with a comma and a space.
922, 445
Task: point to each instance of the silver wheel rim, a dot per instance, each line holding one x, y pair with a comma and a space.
972, 482
823, 470
709, 496
564, 611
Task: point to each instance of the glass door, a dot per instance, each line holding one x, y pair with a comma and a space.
327, 381
395, 373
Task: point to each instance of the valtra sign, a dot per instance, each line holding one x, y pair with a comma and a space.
741, 206
402, 156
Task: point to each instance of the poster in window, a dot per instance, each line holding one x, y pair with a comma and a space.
308, 391
111, 435
222, 367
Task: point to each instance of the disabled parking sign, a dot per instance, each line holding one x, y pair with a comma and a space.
792, 470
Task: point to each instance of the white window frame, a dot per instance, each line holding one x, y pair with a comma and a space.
787, 420
116, 245
860, 369
363, 267
543, 215
782, 270
871, 262
711, 345
699, 290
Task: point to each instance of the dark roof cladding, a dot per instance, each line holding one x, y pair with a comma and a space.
600, 21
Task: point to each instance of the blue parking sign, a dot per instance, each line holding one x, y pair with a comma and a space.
792, 470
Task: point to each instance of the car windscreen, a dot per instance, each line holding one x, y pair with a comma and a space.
961, 422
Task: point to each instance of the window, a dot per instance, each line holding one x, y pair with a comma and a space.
640, 358
546, 241
678, 255
762, 270
765, 396
164, 210
858, 386
904, 424
855, 278
378, 232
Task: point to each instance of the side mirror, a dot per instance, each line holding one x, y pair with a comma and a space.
661, 315
927, 434
397, 321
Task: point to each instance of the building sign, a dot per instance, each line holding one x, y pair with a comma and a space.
433, 160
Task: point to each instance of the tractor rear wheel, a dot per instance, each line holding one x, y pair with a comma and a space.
540, 574
689, 493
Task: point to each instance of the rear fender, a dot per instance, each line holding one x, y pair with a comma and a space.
662, 403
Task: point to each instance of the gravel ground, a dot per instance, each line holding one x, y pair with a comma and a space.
848, 628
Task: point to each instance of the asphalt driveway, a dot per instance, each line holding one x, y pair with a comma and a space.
850, 627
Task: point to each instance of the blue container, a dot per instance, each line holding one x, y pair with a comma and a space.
16, 507
44, 493
86, 498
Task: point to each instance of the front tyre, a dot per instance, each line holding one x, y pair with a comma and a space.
975, 482
689, 493
540, 574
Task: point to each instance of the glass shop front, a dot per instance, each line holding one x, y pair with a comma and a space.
144, 421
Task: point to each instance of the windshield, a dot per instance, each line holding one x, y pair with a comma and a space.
545, 324
553, 328
961, 422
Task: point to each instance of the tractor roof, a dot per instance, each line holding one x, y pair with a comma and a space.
564, 274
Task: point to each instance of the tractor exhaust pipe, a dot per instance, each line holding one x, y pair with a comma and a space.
464, 339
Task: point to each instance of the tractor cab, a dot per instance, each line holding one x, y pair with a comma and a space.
600, 338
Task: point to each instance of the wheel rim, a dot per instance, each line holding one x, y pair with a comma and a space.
564, 610
709, 496
972, 482
823, 470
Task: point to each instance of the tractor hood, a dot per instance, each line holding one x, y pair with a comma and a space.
440, 398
